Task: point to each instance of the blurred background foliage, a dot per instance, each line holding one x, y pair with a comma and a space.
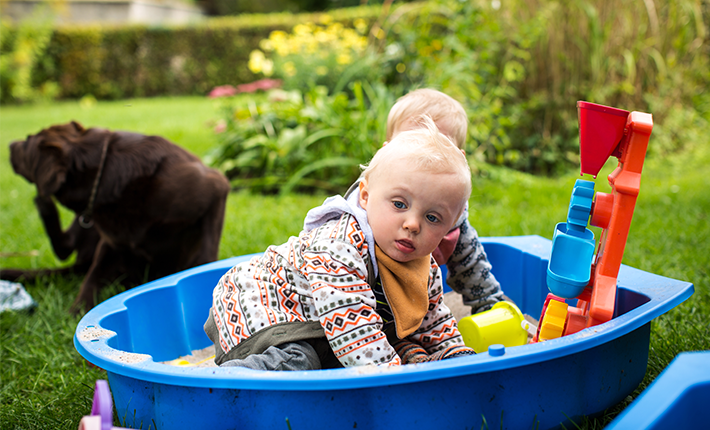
294, 141
137, 60
517, 66
520, 65
236, 7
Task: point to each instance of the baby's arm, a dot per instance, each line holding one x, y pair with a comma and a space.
469, 272
337, 274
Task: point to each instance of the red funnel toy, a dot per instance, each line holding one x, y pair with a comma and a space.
604, 132
600, 131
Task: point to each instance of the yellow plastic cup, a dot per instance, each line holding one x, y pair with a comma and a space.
502, 324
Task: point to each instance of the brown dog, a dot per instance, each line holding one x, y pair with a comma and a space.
145, 208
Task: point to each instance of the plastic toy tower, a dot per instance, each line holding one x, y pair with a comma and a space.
574, 270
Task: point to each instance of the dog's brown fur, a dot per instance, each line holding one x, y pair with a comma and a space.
158, 209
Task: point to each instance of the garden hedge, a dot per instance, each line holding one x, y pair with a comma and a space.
115, 62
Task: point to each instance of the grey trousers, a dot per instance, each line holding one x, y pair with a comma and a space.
287, 356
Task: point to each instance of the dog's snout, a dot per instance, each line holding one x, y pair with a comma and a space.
14, 147
18, 158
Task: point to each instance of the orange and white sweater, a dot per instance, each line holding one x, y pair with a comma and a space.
312, 286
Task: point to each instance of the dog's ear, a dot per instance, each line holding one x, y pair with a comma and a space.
54, 144
80, 128
53, 161
51, 174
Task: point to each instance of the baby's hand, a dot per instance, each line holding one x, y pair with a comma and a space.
451, 352
411, 353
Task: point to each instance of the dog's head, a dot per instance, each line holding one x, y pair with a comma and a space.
43, 159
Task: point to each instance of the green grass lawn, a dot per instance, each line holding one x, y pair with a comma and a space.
45, 384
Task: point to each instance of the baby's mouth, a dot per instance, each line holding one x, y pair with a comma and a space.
405, 245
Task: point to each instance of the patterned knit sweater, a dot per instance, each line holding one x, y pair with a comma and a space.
312, 286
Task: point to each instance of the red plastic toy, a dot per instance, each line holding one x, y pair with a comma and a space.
604, 132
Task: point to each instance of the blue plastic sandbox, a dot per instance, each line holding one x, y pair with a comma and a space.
676, 399
531, 386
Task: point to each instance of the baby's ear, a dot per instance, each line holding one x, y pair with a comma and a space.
364, 194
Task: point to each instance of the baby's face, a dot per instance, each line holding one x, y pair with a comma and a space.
410, 211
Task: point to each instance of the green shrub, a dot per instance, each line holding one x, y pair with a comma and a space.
123, 61
21, 52
520, 68
302, 142
517, 80
236, 7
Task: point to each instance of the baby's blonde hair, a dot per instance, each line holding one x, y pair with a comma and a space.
442, 108
427, 150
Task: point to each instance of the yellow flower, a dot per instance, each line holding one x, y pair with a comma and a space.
279, 42
278, 35
351, 40
283, 49
266, 45
360, 25
311, 47
335, 28
256, 61
318, 44
322, 36
268, 68
301, 29
344, 58
289, 68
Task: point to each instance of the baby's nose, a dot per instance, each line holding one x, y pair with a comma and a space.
411, 224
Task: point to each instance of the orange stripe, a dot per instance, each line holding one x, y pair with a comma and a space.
348, 322
375, 338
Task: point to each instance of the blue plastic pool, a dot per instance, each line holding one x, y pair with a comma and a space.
677, 398
531, 386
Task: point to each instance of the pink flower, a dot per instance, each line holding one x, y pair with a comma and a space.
252, 87
262, 84
222, 91
220, 127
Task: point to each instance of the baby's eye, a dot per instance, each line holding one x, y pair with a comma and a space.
432, 218
399, 205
